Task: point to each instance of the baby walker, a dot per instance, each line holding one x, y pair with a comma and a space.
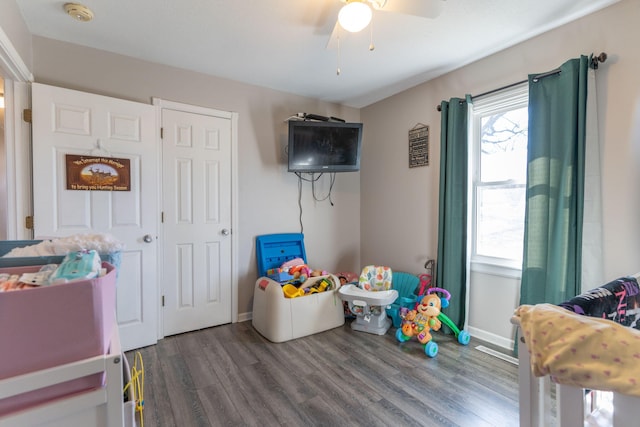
428, 316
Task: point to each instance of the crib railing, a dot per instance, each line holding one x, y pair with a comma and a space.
535, 399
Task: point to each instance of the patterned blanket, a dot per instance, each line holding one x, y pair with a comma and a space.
618, 300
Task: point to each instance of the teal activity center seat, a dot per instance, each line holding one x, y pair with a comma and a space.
406, 284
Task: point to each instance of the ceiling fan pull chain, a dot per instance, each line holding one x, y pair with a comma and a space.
371, 45
338, 58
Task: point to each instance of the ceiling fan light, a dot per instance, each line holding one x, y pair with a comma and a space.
354, 16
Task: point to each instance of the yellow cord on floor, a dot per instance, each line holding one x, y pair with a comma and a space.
137, 385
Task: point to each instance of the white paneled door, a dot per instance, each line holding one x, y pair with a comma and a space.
197, 272
78, 123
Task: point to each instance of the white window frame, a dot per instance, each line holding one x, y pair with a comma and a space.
511, 98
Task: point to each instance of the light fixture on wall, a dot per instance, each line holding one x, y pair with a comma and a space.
355, 15
1, 100
79, 12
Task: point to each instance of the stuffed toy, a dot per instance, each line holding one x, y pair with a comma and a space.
300, 272
316, 273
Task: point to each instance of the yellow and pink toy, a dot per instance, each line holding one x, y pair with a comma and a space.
423, 319
427, 316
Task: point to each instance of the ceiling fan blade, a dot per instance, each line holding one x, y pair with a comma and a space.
335, 34
423, 8
321, 14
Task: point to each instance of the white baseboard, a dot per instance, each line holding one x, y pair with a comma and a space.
491, 338
243, 317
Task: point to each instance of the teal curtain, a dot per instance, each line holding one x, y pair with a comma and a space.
555, 184
451, 270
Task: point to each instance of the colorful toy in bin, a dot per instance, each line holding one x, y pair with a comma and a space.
319, 286
297, 288
279, 274
427, 316
292, 291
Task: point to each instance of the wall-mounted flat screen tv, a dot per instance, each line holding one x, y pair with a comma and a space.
316, 146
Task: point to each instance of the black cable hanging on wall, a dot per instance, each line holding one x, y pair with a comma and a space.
313, 180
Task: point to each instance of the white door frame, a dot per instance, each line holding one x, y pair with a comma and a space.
233, 116
17, 139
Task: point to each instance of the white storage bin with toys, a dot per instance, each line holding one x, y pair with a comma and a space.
284, 307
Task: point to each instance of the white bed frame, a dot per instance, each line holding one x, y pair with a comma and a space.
101, 407
535, 400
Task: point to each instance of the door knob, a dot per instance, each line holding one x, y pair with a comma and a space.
225, 232
147, 238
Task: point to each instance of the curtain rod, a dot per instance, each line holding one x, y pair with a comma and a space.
594, 64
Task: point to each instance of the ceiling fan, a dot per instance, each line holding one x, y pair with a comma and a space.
356, 15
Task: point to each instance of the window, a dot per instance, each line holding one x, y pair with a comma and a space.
498, 139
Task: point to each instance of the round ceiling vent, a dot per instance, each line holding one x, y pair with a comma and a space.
78, 12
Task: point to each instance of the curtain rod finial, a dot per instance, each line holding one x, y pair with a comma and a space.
598, 59
439, 107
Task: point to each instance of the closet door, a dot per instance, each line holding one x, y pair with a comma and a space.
197, 241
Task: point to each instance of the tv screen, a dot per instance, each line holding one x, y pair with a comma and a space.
324, 146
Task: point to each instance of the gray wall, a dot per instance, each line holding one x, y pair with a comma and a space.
403, 232
268, 194
14, 27
387, 214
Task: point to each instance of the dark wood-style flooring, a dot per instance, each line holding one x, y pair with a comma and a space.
231, 376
